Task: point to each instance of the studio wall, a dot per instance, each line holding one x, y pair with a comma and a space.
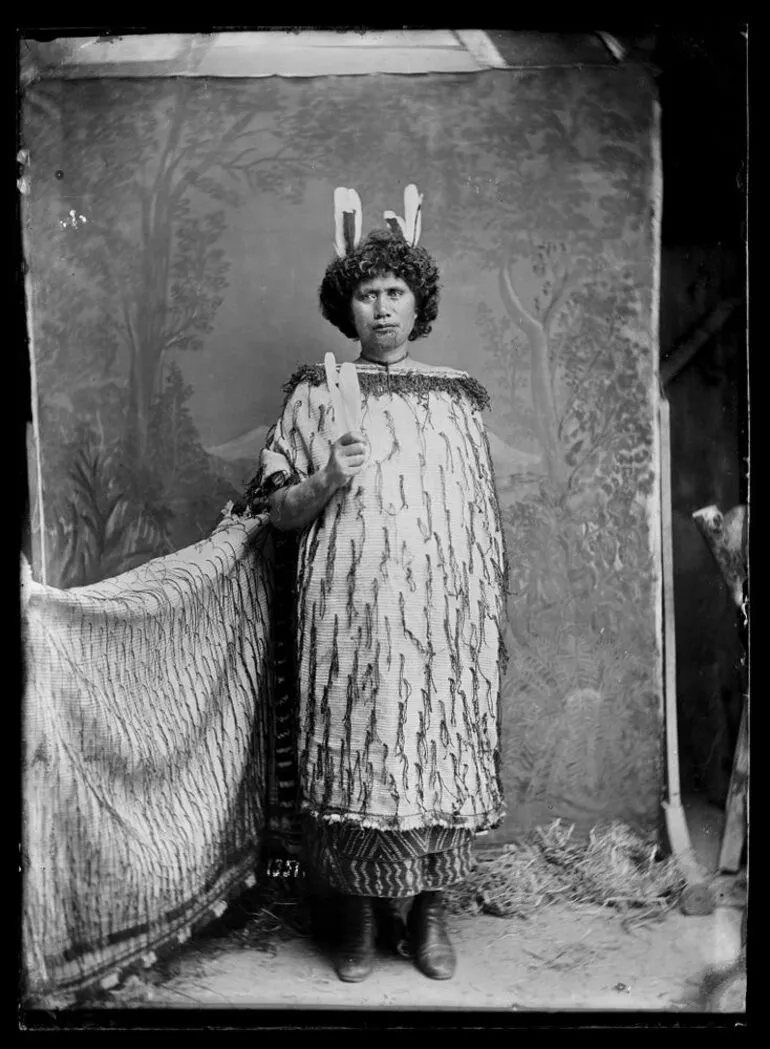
176, 232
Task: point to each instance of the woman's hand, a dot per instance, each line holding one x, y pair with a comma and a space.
347, 457
297, 505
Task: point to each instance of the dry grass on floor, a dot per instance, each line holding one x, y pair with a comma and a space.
614, 868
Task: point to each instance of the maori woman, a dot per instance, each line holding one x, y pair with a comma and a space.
382, 470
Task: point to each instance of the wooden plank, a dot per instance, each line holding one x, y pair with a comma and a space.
155, 47
734, 834
226, 68
479, 44
389, 38
669, 620
345, 60
92, 50
698, 896
306, 53
249, 54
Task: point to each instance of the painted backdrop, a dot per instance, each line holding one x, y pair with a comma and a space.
177, 231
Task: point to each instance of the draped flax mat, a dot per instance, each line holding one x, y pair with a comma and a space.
152, 794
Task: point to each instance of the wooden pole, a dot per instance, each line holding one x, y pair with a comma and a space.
699, 896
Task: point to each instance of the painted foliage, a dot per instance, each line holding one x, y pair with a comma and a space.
177, 233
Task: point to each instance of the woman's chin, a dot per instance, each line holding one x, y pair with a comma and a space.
384, 344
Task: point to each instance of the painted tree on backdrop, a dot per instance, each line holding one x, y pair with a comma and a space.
125, 264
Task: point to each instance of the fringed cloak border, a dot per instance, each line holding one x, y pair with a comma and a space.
383, 381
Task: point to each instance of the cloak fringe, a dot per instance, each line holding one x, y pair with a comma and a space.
381, 382
476, 822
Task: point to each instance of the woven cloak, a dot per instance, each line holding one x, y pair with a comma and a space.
400, 603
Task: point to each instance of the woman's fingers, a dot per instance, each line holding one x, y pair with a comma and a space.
351, 452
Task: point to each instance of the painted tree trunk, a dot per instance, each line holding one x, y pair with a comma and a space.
152, 304
546, 418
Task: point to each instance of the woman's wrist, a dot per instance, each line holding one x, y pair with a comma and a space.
329, 480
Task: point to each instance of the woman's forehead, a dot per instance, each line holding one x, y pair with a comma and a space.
382, 281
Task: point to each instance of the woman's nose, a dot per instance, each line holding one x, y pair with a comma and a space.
381, 306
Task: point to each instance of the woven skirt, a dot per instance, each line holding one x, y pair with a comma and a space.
360, 861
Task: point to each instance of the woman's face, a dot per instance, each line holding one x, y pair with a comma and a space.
384, 311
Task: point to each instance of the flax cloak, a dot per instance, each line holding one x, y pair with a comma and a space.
400, 605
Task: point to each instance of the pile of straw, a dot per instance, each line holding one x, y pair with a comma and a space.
613, 868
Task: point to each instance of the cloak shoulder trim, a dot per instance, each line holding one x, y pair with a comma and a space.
418, 383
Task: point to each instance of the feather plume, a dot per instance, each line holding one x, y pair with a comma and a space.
349, 230
412, 214
348, 220
417, 228
340, 200
354, 205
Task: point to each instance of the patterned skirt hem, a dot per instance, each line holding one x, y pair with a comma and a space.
373, 863
398, 884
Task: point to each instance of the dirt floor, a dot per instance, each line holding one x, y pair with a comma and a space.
561, 958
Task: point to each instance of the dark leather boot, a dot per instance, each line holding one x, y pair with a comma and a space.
432, 950
354, 957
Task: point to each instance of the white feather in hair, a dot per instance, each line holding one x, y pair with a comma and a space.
354, 203
410, 226
348, 220
340, 200
412, 214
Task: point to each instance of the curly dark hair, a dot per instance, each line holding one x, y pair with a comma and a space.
382, 252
